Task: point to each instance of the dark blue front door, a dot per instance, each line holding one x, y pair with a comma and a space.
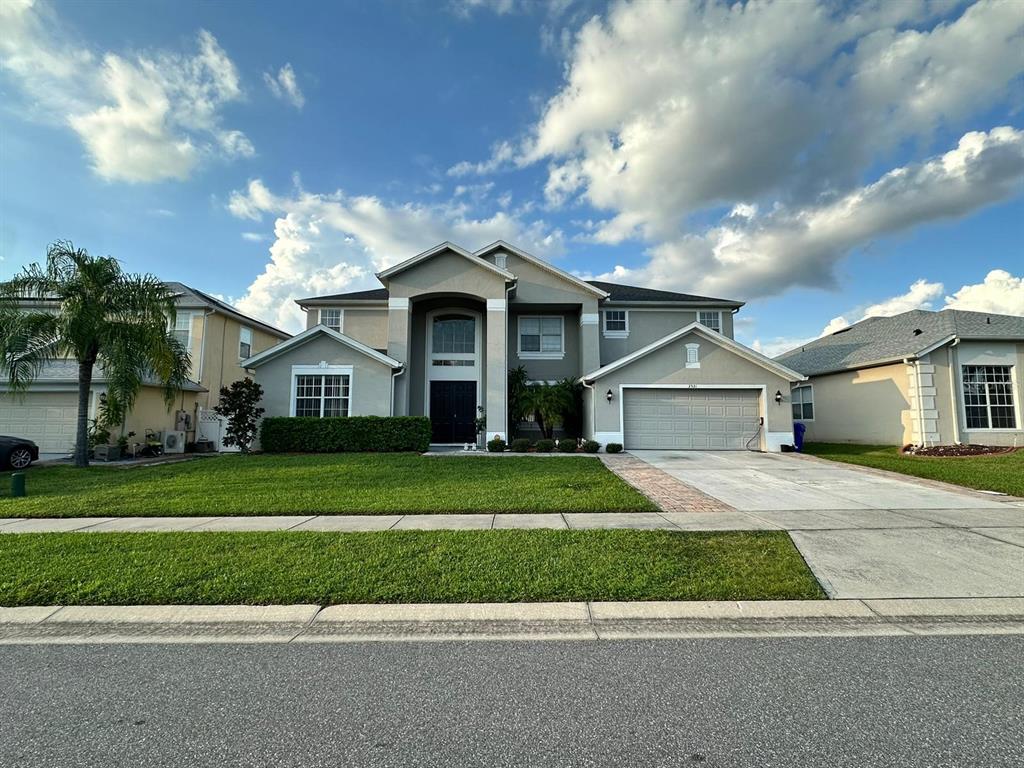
453, 411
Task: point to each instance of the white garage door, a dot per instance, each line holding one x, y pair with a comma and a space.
48, 418
708, 419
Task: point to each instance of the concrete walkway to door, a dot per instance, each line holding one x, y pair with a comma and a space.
865, 534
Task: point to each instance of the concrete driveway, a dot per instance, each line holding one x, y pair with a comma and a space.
867, 535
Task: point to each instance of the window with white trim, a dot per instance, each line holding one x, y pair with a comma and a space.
454, 335
322, 395
244, 343
500, 260
693, 355
712, 319
988, 397
181, 328
331, 318
541, 336
616, 323
802, 399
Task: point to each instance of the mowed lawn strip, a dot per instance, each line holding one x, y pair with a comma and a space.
398, 567
334, 484
1001, 472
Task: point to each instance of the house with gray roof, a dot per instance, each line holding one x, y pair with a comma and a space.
920, 377
660, 369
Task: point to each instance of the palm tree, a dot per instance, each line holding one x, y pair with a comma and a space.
86, 308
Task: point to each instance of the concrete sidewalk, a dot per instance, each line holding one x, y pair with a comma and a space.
506, 621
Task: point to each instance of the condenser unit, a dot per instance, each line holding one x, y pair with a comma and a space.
173, 441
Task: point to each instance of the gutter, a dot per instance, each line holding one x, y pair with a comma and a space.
394, 376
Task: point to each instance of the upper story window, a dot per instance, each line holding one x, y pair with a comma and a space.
616, 323
331, 318
454, 335
244, 343
541, 336
181, 329
500, 260
803, 403
710, 318
988, 397
693, 355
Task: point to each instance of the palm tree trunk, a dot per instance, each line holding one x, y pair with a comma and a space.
82, 435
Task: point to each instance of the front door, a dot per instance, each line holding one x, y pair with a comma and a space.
453, 411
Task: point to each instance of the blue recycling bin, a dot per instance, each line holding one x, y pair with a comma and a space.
798, 435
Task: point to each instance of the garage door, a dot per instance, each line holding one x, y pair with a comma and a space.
712, 419
48, 418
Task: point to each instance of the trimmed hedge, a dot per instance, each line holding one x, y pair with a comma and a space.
591, 446
344, 434
519, 445
613, 448
545, 446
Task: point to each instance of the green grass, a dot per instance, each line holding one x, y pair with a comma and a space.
335, 484
1003, 473
399, 567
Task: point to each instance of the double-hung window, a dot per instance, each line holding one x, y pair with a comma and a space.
331, 318
616, 323
244, 343
322, 395
988, 397
181, 329
712, 319
541, 336
803, 403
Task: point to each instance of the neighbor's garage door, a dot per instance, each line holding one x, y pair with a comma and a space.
712, 419
48, 418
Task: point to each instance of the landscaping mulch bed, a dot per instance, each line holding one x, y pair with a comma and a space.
947, 451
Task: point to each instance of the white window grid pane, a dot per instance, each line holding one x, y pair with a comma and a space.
711, 320
551, 343
988, 397
331, 318
454, 335
529, 325
529, 343
615, 320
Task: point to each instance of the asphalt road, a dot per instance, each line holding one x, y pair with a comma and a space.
880, 701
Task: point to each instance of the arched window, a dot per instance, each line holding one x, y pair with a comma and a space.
454, 335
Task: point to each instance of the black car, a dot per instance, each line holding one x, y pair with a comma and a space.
17, 452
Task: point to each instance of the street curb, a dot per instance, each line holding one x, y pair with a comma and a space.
508, 621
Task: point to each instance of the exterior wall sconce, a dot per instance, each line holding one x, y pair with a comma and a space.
778, 397
608, 395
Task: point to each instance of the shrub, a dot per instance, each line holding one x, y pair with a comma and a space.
238, 405
308, 434
591, 446
567, 445
519, 445
496, 444
545, 446
613, 448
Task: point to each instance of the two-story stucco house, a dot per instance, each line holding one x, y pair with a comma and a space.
661, 369
217, 336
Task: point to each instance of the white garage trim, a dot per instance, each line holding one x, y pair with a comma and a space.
763, 442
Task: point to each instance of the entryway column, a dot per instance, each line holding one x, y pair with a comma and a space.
399, 337
590, 341
496, 351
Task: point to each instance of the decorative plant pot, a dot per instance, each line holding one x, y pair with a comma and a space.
107, 452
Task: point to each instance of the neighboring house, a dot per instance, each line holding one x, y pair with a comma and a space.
661, 368
217, 337
922, 378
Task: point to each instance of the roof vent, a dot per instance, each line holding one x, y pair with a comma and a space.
988, 321
918, 331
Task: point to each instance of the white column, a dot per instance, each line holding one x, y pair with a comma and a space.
496, 351
399, 329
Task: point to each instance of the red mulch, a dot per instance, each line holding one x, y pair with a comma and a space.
958, 450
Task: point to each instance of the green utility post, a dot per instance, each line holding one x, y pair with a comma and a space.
17, 485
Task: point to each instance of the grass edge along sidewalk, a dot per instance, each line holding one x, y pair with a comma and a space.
399, 567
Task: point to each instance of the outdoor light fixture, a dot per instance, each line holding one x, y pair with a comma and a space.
608, 395
778, 397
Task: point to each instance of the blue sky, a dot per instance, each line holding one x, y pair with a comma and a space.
863, 159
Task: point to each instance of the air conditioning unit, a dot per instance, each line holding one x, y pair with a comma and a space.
183, 421
173, 441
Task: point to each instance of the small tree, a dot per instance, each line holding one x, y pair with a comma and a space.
238, 405
549, 403
518, 407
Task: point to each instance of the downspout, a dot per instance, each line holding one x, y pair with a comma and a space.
394, 376
202, 355
953, 366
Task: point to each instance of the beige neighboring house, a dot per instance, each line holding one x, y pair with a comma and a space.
661, 369
921, 378
217, 336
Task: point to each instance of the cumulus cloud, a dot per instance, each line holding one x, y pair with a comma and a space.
753, 255
1000, 293
502, 155
327, 243
284, 86
142, 117
920, 295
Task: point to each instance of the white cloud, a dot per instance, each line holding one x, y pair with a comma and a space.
327, 243
920, 295
764, 254
1000, 293
502, 155
142, 117
285, 86
254, 237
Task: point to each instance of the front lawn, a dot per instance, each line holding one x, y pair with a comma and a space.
1002, 472
399, 567
331, 484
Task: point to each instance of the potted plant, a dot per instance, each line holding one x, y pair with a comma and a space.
481, 425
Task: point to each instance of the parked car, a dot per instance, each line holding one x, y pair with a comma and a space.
17, 452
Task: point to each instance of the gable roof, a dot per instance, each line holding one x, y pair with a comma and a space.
501, 245
441, 248
192, 296
308, 335
372, 295
714, 337
634, 293
880, 340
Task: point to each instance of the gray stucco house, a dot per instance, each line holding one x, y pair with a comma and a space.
920, 377
661, 369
